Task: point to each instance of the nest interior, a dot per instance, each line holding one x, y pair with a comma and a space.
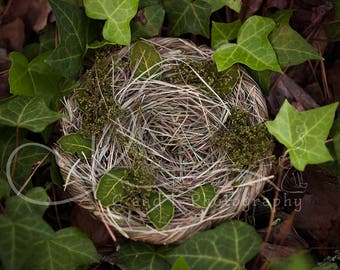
182, 127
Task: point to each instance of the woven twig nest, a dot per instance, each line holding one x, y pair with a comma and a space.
177, 134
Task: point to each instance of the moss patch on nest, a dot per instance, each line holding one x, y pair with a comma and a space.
222, 83
246, 145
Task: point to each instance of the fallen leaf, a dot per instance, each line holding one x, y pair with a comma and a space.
34, 13
12, 35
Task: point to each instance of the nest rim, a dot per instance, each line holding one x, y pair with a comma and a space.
179, 228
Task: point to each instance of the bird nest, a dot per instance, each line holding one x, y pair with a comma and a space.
190, 138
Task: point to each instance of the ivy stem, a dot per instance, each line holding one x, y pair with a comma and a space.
33, 172
16, 154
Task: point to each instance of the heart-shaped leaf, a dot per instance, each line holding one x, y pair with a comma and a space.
186, 16
65, 250
73, 25
32, 78
18, 207
144, 59
148, 22
290, 47
304, 133
110, 188
76, 144
161, 210
252, 49
228, 246
217, 4
26, 112
117, 13
202, 196
180, 264
16, 238
140, 256
222, 33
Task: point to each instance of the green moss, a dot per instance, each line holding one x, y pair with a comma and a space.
94, 97
222, 83
142, 178
245, 144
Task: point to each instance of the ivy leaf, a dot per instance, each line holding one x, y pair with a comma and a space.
73, 25
222, 33
186, 16
140, 256
117, 13
228, 246
26, 157
47, 38
17, 207
161, 210
304, 133
16, 238
203, 195
26, 112
334, 148
110, 188
263, 78
252, 49
66, 250
148, 22
217, 4
76, 144
290, 47
145, 59
32, 78
180, 264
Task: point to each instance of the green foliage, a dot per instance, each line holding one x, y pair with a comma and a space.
252, 49
65, 250
26, 112
73, 25
228, 246
34, 78
18, 207
304, 133
144, 59
291, 49
25, 159
28, 242
186, 16
217, 4
222, 33
180, 264
4, 187
76, 144
110, 188
296, 261
140, 256
203, 195
161, 210
335, 27
148, 22
334, 149
117, 13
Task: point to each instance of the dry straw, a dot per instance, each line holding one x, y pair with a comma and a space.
172, 126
